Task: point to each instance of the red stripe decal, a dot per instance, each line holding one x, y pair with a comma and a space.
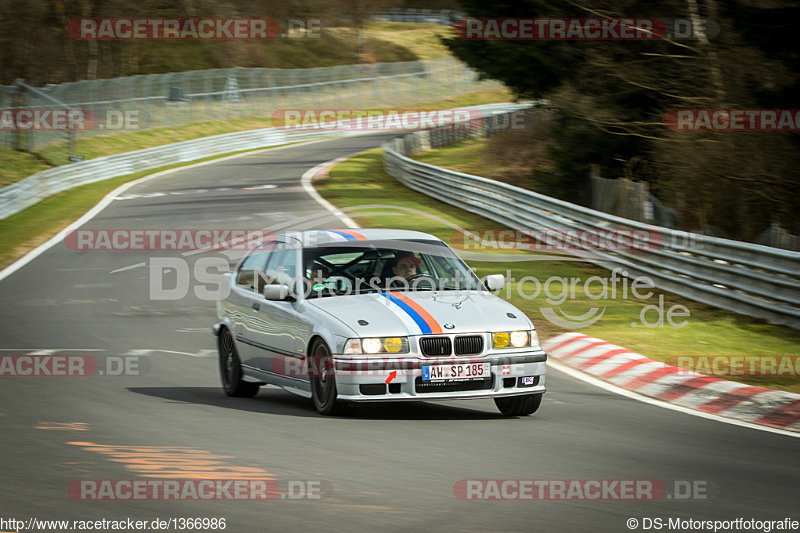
352, 233
426, 316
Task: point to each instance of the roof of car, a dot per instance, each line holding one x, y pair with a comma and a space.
325, 236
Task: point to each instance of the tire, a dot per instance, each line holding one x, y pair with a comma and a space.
519, 405
230, 368
323, 381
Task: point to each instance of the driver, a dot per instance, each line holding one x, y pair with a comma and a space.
405, 265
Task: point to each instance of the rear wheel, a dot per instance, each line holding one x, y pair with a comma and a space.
230, 368
323, 380
519, 405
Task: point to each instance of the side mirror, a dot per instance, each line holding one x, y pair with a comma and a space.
277, 292
495, 282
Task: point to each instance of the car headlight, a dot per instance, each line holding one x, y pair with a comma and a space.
519, 339
512, 339
371, 345
375, 345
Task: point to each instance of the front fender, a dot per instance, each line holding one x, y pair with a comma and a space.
326, 326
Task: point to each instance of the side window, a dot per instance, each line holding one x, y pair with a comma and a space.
252, 264
282, 265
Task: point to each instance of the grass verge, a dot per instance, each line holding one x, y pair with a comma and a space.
16, 166
708, 331
422, 40
465, 156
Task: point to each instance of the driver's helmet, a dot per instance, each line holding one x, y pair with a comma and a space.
406, 255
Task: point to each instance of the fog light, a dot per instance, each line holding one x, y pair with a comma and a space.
393, 344
501, 340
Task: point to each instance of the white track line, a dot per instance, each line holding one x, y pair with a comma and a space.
308, 176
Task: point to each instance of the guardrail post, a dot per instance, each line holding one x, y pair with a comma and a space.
19, 100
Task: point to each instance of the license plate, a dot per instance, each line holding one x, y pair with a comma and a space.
457, 372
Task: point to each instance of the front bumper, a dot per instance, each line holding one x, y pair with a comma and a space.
361, 379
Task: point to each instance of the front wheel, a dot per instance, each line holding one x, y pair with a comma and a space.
323, 380
230, 368
519, 405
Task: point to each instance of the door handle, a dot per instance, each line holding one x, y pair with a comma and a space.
256, 306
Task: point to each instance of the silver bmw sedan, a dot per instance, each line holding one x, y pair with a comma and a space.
346, 316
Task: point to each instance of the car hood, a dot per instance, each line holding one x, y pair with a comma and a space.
422, 313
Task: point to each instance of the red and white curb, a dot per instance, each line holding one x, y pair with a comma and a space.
707, 394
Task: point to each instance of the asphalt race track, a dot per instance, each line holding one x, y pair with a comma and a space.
389, 467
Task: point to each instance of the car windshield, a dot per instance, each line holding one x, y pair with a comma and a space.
382, 266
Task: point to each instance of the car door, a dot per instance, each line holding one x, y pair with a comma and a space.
277, 331
244, 300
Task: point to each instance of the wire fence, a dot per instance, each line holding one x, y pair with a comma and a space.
122, 105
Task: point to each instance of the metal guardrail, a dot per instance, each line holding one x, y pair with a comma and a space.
33, 189
443, 17
750, 279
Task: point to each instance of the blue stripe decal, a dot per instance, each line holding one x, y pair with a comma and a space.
343, 234
426, 329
